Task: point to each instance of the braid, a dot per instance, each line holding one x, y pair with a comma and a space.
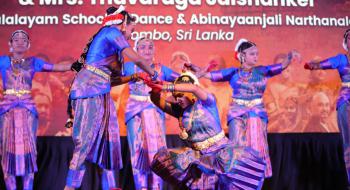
82, 58
70, 108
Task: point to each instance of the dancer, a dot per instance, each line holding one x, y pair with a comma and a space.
341, 63
95, 127
247, 117
212, 162
145, 122
18, 114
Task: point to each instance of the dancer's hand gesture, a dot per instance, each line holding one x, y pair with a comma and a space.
156, 86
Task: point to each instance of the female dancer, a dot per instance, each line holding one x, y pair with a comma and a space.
212, 162
247, 117
145, 122
341, 63
95, 126
18, 115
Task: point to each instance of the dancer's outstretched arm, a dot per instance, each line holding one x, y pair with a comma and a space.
330, 63
119, 80
140, 62
62, 67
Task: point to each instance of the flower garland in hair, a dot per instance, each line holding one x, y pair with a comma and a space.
239, 43
114, 18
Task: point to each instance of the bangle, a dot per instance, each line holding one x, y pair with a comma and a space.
168, 87
133, 77
315, 65
171, 87
165, 87
154, 76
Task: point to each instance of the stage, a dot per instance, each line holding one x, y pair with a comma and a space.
300, 161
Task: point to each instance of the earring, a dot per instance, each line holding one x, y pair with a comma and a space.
11, 49
345, 45
194, 98
242, 59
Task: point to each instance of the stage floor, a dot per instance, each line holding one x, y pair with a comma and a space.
300, 161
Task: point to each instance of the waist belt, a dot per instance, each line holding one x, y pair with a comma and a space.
17, 93
247, 103
97, 71
140, 98
345, 84
208, 142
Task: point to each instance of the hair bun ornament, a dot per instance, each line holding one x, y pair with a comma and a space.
115, 17
120, 9
190, 74
239, 43
236, 55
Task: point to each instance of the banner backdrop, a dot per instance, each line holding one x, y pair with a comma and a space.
196, 31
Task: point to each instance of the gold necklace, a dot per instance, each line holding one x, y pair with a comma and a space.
183, 134
16, 61
244, 78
